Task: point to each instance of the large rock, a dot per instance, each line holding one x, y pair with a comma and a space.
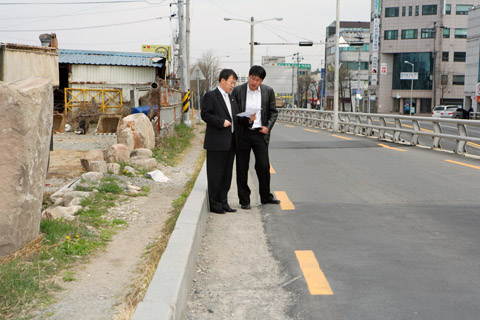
117, 153
136, 131
141, 152
147, 164
26, 108
92, 155
97, 166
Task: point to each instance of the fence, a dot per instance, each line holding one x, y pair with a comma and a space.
363, 124
93, 101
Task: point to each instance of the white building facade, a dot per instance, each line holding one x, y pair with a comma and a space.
427, 38
354, 53
472, 65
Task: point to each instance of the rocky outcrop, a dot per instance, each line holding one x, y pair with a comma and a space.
117, 153
26, 107
136, 131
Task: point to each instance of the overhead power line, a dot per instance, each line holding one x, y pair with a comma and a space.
80, 2
91, 27
81, 14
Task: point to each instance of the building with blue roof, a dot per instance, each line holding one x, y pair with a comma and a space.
132, 72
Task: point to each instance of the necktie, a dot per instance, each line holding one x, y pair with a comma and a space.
229, 106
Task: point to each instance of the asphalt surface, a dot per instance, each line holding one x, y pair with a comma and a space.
394, 228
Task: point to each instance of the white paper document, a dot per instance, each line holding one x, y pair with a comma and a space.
247, 113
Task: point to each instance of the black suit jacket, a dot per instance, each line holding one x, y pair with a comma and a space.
269, 110
214, 112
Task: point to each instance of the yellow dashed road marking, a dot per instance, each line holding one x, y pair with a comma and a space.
272, 171
346, 138
409, 126
475, 145
285, 202
463, 164
391, 148
287, 125
316, 281
310, 130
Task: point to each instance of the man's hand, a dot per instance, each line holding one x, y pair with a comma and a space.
264, 130
252, 118
227, 123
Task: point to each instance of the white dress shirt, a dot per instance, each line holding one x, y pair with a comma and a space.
254, 101
226, 98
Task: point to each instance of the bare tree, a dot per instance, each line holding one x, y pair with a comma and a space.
344, 82
210, 67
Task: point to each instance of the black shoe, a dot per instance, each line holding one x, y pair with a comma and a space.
272, 201
245, 206
218, 211
228, 209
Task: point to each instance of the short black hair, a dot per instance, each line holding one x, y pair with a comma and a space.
226, 73
258, 71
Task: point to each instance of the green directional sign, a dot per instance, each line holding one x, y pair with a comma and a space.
306, 66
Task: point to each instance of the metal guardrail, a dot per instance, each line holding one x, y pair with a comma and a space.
363, 124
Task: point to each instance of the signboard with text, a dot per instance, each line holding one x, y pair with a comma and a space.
160, 49
305, 66
408, 75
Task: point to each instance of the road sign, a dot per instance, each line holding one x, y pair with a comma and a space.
305, 66
408, 75
166, 51
197, 74
383, 68
478, 89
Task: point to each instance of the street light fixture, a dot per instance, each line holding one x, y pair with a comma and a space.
411, 86
252, 23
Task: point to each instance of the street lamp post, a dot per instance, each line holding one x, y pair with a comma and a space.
252, 23
411, 86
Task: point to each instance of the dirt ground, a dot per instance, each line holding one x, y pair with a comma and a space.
101, 283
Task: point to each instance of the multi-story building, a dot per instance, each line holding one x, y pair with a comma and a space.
421, 43
472, 65
354, 52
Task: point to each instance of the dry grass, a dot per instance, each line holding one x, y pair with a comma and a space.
136, 292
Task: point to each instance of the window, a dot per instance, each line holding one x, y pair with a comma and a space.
330, 51
444, 79
391, 12
404, 11
445, 56
390, 35
446, 32
427, 33
448, 9
458, 80
409, 11
423, 65
429, 10
459, 56
417, 10
462, 9
460, 32
354, 65
410, 34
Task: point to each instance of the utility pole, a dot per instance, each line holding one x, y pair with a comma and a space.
337, 67
183, 56
187, 36
298, 58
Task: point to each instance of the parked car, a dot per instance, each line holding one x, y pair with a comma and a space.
455, 112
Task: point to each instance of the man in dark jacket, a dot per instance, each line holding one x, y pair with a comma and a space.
254, 96
219, 112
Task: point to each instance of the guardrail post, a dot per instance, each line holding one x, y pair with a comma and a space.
369, 131
415, 136
357, 129
436, 140
396, 134
461, 144
381, 132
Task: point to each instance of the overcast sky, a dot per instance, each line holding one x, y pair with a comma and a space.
129, 25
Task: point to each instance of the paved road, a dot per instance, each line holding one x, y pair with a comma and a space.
374, 231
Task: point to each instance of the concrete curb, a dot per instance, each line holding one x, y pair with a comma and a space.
167, 295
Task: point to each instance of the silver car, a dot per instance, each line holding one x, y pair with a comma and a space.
447, 112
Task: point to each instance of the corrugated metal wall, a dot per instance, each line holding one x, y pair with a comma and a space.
111, 77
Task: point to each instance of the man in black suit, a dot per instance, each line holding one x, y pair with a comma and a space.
253, 96
219, 112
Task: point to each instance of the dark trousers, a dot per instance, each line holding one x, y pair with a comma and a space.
219, 176
253, 140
